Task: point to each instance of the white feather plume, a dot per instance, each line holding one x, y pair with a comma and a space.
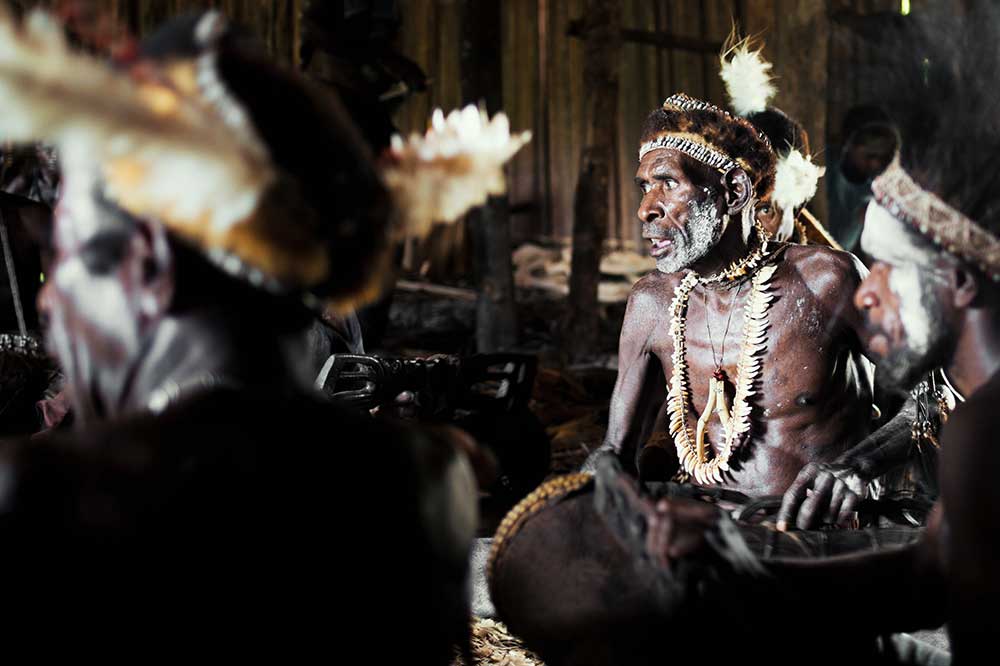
747, 78
455, 166
795, 182
184, 160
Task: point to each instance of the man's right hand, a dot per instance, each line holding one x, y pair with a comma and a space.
821, 493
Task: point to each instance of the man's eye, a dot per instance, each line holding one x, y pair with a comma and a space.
669, 183
766, 210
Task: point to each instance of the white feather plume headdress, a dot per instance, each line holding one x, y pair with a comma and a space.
749, 84
747, 77
456, 165
162, 152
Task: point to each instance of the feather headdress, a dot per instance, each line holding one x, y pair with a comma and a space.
747, 77
161, 151
456, 165
750, 87
795, 183
261, 171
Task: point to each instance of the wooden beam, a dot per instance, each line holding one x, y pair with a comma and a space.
591, 201
481, 77
656, 38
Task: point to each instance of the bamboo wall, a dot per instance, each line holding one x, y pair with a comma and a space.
543, 86
819, 68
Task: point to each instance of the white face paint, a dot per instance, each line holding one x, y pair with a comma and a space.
77, 211
704, 229
890, 241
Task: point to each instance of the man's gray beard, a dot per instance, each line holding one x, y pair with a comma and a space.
704, 229
903, 368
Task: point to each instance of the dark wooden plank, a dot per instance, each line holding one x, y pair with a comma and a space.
639, 92
566, 124
802, 51
718, 20
481, 76
522, 104
591, 210
688, 75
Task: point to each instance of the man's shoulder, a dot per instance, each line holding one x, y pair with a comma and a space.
823, 260
823, 270
651, 296
655, 285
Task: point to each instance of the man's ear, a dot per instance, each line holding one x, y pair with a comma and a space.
156, 274
738, 189
965, 287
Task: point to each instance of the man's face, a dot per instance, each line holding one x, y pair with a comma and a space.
903, 300
680, 211
868, 156
90, 304
770, 218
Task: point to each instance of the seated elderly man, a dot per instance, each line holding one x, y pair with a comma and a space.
209, 197
756, 344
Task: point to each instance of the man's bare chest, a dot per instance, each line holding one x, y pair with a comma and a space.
797, 351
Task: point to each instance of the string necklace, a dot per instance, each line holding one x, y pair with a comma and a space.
691, 446
708, 326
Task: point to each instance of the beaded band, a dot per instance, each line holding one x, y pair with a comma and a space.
699, 151
21, 344
541, 497
694, 145
948, 228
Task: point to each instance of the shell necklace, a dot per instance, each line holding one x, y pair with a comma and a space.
692, 451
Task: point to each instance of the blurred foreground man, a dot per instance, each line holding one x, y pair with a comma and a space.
662, 576
209, 198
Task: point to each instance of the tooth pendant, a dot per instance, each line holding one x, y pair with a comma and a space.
717, 403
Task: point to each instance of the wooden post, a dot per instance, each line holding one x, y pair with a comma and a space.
602, 40
489, 226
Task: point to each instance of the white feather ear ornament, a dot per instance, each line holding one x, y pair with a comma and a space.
747, 77
795, 183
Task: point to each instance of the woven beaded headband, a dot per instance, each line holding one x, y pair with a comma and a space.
694, 145
949, 229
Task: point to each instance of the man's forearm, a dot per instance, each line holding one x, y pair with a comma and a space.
884, 449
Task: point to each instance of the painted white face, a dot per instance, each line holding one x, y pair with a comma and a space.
679, 215
888, 240
905, 318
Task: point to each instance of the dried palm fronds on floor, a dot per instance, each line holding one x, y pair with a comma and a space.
492, 645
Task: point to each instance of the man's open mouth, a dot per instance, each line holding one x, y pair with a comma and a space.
659, 246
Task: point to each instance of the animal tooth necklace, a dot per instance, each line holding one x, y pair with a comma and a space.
692, 450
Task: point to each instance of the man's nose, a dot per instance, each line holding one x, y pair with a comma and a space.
650, 209
866, 297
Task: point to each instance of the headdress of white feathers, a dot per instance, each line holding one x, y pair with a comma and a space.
795, 182
750, 88
456, 165
194, 164
747, 77
179, 148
